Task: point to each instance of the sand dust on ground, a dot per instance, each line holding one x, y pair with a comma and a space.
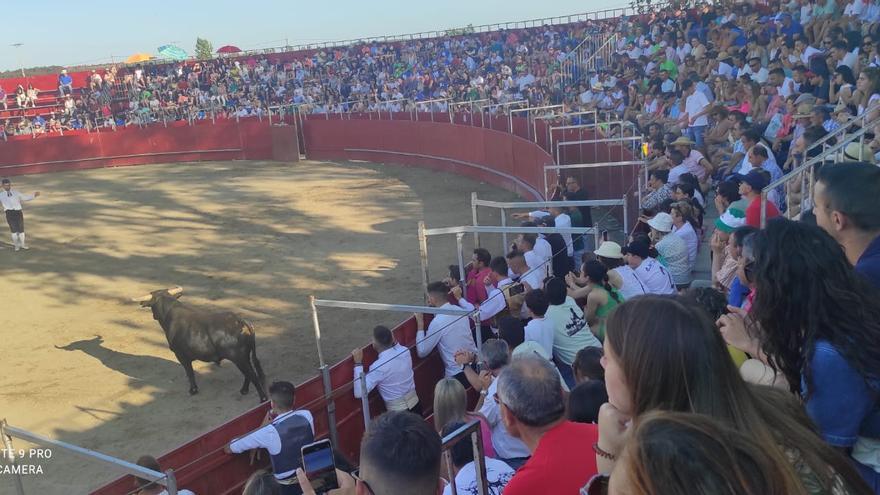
84, 365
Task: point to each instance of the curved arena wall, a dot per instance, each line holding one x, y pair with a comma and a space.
495, 157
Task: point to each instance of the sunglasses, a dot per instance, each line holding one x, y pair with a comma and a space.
598, 485
356, 475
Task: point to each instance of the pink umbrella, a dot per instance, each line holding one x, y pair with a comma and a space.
228, 49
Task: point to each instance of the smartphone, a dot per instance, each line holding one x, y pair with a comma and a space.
517, 289
319, 465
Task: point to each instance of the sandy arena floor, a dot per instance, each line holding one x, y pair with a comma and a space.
82, 364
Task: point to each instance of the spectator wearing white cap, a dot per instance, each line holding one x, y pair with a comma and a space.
620, 274
673, 250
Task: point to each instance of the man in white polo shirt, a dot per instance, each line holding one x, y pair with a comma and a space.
391, 371
448, 333
11, 201
696, 109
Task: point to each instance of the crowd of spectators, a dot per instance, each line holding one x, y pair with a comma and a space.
600, 372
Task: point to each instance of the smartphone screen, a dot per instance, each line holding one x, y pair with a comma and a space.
319, 465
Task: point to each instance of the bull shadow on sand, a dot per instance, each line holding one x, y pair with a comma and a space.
139, 368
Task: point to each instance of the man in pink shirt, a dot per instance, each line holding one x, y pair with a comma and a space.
475, 289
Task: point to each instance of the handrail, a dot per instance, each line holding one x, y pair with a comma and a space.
473, 431
808, 166
401, 308
166, 479
843, 128
547, 204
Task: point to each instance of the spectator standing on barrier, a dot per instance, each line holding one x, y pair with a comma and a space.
498, 473
529, 394
400, 454
11, 201
574, 192
560, 262
571, 332
392, 372
845, 204
475, 288
283, 438
449, 333
147, 487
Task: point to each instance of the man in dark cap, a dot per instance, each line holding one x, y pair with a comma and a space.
750, 189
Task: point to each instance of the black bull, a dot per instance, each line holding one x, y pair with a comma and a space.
197, 335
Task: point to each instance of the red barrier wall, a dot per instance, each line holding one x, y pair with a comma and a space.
226, 140
494, 157
221, 474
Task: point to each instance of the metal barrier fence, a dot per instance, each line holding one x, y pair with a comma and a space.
504, 206
459, 232
533, 135
805, 172
594, 53
635, 140
472, 431
7, 431
325, 370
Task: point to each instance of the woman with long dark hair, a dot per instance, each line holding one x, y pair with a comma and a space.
815, 321
664, 354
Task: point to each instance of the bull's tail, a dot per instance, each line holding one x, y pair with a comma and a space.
253, 356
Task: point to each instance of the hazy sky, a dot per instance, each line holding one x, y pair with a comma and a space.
65, 33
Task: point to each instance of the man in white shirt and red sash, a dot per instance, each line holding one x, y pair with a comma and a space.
11, 201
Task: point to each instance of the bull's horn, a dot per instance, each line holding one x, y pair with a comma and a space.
142, 298
175, 290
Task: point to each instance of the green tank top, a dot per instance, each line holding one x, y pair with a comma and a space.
603, 310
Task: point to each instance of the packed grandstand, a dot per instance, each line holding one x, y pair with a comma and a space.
728, 343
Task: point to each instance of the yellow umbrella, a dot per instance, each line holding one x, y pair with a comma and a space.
138, 57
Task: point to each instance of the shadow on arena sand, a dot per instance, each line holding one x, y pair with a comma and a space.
89, 367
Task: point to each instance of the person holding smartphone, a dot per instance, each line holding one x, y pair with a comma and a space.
284, 437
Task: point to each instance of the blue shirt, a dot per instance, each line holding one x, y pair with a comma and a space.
841, 402
65, 79
737, 295
869, 263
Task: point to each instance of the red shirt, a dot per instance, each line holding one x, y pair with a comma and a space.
562, 464
753, 212
476, 291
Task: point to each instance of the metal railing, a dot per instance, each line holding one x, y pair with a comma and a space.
806, 171
504, 206
325, 370
7, 432
470, 430
594, 53
459, 232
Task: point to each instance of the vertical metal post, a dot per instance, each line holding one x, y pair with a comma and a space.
625, 216
458, 245
450, 470
763, 200
171, 480
478, 331
480, 462
325, 375
503, 234
365, 401
474, 217
423, 258
597, 235
10, 455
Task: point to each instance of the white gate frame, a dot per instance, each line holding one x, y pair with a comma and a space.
504, 206
529, 119
325, 371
